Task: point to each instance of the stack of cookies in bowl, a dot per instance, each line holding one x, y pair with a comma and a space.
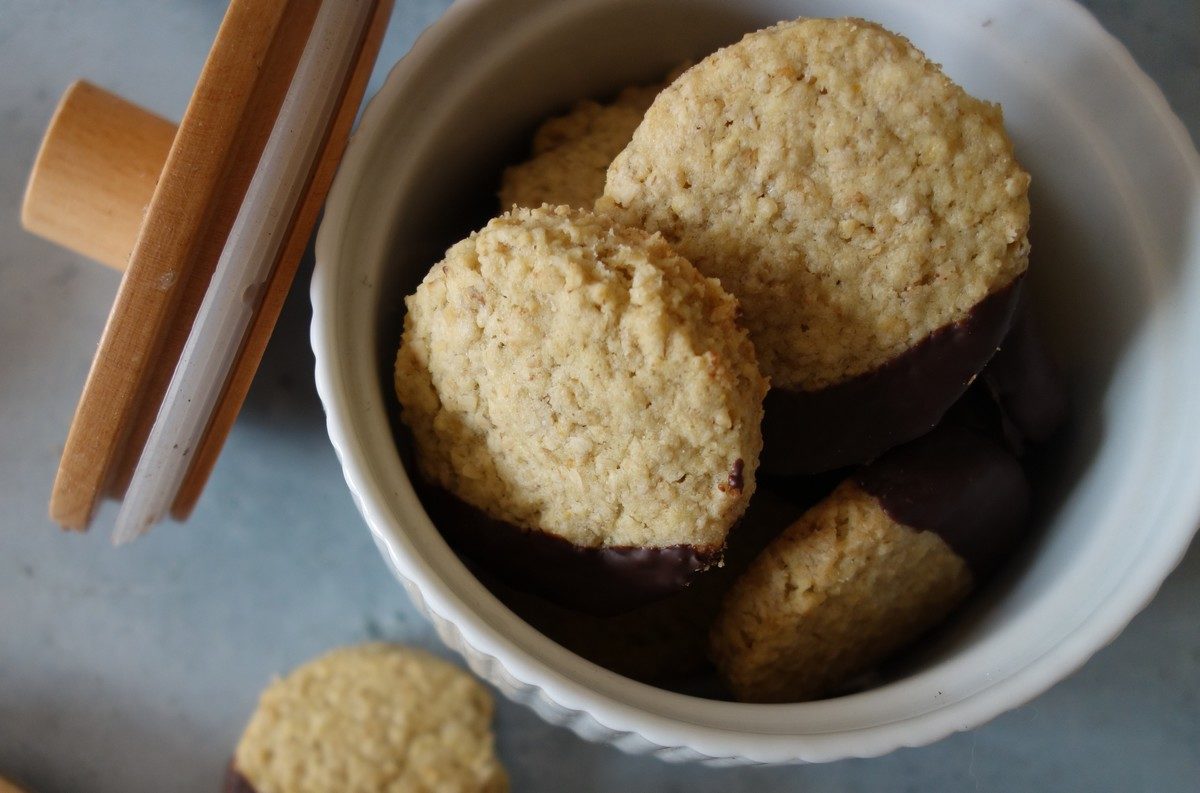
741, 378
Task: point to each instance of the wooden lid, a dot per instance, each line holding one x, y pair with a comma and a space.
233, 205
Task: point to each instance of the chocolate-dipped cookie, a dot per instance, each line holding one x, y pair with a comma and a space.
868, 214
590, 401
370, 718
1025, 383
1020, 398
890, 553
665, 641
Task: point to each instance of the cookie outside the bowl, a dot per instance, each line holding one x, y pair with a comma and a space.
370, 718
589, 401
868, 214
886, 557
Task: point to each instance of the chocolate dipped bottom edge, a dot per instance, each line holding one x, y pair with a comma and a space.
236, 783
661, 643
961, 485
1025, 383
599, 581
807, 432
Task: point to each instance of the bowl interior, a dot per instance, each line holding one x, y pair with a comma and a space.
1113, 272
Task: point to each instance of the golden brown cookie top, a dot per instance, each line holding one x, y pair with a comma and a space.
831, 597
572, 376
839, 184
371, 718
572, 152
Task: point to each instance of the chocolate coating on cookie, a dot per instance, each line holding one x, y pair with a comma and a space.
1024, 381
601, 581
839, 184
570, 376
812, 431
236, 783
664, 642
960, 485
736, 481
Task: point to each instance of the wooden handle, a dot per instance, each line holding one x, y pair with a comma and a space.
95, 173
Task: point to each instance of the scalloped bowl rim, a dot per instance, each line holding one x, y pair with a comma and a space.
520, 653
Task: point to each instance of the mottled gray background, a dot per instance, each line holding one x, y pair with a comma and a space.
135, 670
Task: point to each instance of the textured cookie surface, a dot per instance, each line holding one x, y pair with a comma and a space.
839, 184
832, 596
571, 376
664, 641
368, 719
571, 153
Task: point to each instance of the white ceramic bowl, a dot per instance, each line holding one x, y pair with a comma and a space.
1116, 239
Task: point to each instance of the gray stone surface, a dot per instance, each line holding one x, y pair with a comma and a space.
134, 670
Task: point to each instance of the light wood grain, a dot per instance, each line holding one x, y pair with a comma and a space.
107, 164
279, 65
202, 184
95, 173
285, 270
